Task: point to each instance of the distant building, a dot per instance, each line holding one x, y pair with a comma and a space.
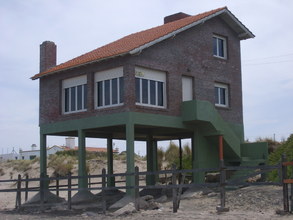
32, 154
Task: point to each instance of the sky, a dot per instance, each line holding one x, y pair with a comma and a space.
80, 26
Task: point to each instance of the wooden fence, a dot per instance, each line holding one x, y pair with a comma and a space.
176, 185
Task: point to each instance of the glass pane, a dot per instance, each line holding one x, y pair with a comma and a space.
160, 93
100, 93
217, 95
79, 97
107, 92
121, 89
223, 96
145, 95
114, 91
84, 96
137, 90
215, 52
221, 47
72, 98
66, 101
152, 92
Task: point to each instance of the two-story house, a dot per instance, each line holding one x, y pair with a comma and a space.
178, 80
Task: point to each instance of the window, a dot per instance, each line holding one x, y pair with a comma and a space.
32, 157
109, 87
187, 88
221, 95
110, 92
74, 94
219, 47
150, 87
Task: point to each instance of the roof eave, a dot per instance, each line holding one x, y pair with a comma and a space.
79, 65
245, 34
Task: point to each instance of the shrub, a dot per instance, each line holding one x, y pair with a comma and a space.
21, 165
171, 154
61, 164
275, 157
2, 172
160, 155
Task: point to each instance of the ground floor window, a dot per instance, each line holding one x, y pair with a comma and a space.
221, 95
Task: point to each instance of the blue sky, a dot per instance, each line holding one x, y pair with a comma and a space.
80, 26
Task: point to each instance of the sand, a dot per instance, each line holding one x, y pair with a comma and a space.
253, 202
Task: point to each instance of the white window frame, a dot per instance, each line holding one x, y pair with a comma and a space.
154, 75
102, 76
226, 88
218, 48
68, 84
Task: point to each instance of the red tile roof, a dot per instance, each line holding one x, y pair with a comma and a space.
133, 42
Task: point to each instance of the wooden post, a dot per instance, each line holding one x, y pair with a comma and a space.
291, 197
57, 184
222, 207
180, 159
42, 190
136, 192
69, 191
104, 205
285, 185
89, 180
180, 189
174, 190
26, 187
18, 193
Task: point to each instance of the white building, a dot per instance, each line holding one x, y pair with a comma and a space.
29, 154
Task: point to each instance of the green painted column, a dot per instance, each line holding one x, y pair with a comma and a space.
152, 160
198, 145
43, 154
150, 179
110, 180
155, 160
130, 155
82, 182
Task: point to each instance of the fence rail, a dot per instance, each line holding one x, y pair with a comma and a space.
176, 185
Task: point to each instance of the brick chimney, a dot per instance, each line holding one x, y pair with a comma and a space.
47, 55
175, 17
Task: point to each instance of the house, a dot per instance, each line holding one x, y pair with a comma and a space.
181, 79
29, 154
9, 156
32, 154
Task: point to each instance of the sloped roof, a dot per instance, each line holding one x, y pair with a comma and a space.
136, 42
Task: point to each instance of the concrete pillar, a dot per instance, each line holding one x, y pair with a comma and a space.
110, 180
151, 160
198, 143
43, 154
130, 156
83, 182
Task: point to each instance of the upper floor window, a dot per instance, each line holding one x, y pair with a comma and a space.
74, 94
219, 47
221, 95
150, 87
187, 88
109, 87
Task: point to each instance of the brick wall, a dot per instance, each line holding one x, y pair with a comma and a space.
188, 53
